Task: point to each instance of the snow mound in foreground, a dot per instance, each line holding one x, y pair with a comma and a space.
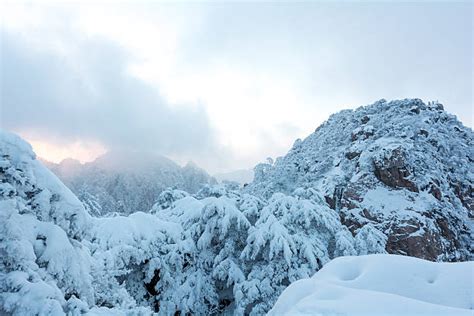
382, 285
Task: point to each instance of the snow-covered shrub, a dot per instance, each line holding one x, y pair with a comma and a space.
370, 240
213, 235
292, 239
44, 267
231, 250
220, 251
251, 206
129, 250
167, 197
238, 252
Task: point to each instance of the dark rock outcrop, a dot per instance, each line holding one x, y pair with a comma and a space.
393, 170
404, 166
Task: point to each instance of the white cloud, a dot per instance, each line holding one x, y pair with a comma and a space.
269, 73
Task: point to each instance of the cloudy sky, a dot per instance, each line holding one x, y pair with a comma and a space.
223, 84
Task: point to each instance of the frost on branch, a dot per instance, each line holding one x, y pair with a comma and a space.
292, 239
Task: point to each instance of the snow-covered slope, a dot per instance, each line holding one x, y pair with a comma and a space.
44, 268
404, 166
382, 285
223, 250
127, 182
218, 251
56, 259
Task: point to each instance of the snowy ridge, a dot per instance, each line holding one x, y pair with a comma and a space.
369, 189
382, 285
127, 182
404, 166
218, 251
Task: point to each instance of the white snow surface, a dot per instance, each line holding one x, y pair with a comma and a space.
225, 251
381, 285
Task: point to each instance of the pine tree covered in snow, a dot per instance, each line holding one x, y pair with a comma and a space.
54, 257
404, 166
241, 252
44, 268
227, 250
292, 239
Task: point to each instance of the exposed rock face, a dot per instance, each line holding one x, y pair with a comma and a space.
393, 171
404, 166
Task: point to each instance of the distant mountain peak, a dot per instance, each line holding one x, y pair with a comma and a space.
131, 160
70, 162
127, 181
191, 164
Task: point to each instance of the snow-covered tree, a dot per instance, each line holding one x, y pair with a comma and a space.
44, 267
370, 240
233, 250
167, 197
292, 239
216, 235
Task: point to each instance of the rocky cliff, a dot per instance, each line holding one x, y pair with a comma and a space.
405, 166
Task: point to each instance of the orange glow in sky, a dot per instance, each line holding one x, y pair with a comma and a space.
82, 151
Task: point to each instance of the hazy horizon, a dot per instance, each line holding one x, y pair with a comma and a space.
224, 85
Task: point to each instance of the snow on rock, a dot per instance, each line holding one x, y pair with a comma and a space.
391, 177
381, 285
404, 166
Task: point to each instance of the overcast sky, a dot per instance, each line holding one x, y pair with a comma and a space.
225, 85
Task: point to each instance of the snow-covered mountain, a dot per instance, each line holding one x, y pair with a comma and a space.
127, 182
404, 166
381, 285
400, 184
218, 251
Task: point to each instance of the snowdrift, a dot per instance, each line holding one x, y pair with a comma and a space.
382, 285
